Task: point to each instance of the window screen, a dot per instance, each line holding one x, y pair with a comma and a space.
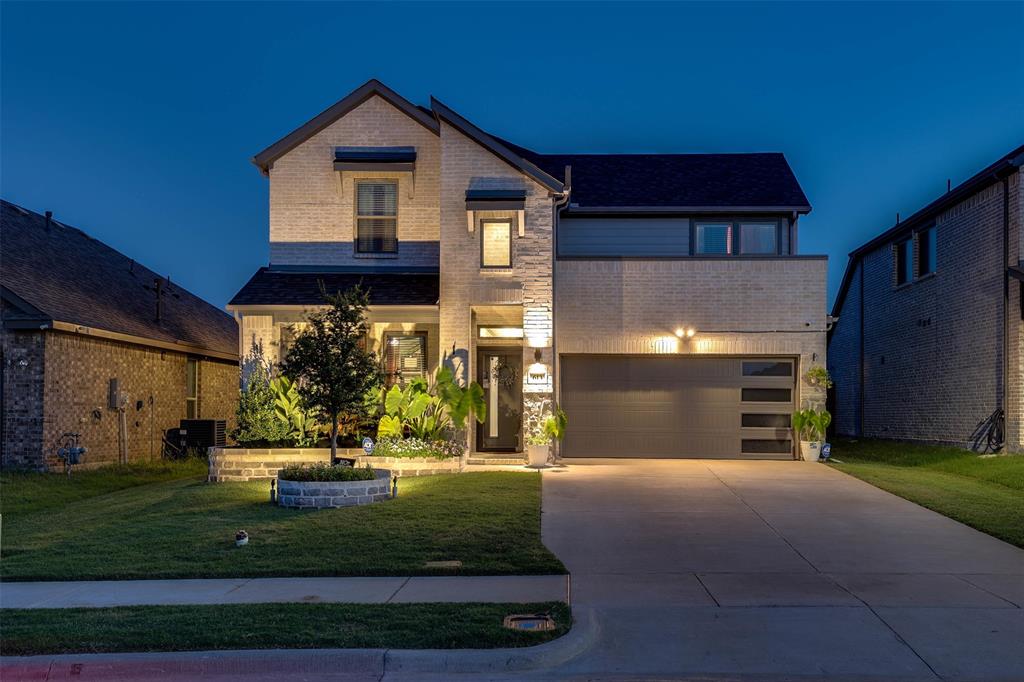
926, 251
377, 217
714, 238
496, 244
405, 356
759, 238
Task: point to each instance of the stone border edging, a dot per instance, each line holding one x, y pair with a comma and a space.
332, 494
259, 464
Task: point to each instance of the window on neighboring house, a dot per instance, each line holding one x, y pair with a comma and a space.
405, 356
714, 238
926, 251
904, 261
377, 217
759, 238
191, 388
496, 243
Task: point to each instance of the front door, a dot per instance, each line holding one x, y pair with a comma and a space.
500, 373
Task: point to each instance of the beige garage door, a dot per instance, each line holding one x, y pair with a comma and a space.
659, 406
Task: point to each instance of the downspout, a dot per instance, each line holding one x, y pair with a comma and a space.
1004, 398
556, 207
860, 426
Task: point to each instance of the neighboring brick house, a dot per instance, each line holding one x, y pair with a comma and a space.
658, 297
927, 342
77, 314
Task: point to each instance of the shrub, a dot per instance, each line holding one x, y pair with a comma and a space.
326, 472
417, 447
258, 423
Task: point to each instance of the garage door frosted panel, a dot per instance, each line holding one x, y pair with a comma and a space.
659, 406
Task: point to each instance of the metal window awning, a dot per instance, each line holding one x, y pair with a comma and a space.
376, 159
496, 200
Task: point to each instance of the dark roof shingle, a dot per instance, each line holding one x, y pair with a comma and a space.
71, 277
284, 287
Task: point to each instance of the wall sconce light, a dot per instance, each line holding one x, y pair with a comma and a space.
688, 332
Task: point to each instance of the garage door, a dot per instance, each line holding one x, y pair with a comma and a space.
658, 406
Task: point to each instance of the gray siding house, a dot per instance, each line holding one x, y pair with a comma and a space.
927, 343
660, 298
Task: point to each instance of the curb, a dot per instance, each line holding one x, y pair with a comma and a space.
267, 663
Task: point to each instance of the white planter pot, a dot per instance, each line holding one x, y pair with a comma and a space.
810, 450
537, 455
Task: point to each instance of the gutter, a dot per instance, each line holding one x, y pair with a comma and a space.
177, 346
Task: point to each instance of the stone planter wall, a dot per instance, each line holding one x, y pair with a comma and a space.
329, 494
255, 464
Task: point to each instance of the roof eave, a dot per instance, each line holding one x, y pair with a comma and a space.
265, 159
803, 210
474, 133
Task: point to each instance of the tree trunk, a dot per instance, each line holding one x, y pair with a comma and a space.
334, 439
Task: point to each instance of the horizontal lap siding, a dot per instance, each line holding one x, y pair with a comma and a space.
624, 237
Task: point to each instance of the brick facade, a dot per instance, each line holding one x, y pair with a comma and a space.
64, 388
932, 350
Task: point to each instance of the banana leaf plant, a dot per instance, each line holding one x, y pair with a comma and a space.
430, 411
289, 408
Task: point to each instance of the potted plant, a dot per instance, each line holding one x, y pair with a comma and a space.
539, 439
809, 426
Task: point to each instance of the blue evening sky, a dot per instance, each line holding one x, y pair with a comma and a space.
136, 122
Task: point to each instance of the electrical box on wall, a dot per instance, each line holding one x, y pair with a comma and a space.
113, 394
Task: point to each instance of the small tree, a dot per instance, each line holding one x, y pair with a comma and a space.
329, 362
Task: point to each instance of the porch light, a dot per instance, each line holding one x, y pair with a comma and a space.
690, 332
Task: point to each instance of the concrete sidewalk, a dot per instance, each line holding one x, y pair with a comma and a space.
401, 590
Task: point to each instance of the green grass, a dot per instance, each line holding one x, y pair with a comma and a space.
984, 493
271, 626
185, 528
31, 492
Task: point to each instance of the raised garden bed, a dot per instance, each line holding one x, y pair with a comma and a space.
254, 464
329, 494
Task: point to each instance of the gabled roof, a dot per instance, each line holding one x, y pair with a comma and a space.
270, 286
373, 87
1003, 167
51, 273
762, 182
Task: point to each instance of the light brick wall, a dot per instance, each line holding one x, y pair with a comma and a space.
312, 220
933, 349
737, 307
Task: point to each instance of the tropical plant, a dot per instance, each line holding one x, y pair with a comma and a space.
430, 411
289, 408
257, 420
810, 424
818, 376
329, 361
460, 402
545, 421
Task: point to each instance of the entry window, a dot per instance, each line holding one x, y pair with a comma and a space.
759, 238
405, 357
377, 217
768, 368
767, 395
904, 261
926, 252
496, 243
191, 389
714, 238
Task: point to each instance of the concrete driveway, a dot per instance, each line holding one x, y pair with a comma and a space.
699, 567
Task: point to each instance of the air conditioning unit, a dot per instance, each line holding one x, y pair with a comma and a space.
203, 433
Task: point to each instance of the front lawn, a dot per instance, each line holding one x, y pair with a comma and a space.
271, 626
185, 528
984, 493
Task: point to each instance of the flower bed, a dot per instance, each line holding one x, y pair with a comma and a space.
418, 448
323, 472
262, 464
328, 494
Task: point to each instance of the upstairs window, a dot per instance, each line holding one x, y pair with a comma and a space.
759, 239
714, 238
405, 357
904, 261
377, 217
926, 252
496, 243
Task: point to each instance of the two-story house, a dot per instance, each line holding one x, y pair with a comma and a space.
659, 298
927, 342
